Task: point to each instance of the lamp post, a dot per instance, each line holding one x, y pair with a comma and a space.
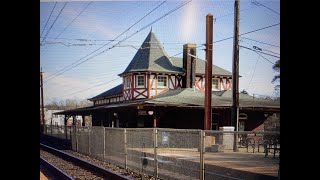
154, 118
116, 117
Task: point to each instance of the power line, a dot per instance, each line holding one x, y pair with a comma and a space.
264, 57
84, 44
254, 2
74, 19
270, 51
54, 22
90, 87
62, 70
254, 70
178, 7
129, 37
260, 42
239, 35
232, 13
248, 32
182, 51
48, 18
260, 52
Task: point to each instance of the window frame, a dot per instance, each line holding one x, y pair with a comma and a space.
127, 84
218, 80
137, 81
165, 77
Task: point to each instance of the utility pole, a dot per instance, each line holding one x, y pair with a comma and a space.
208, 78
42, 105
235, 74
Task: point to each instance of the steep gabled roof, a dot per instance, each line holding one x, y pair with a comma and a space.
114, 91
151, 57
200, 67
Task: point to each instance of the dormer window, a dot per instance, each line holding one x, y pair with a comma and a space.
140, 81
215, 84
162, 81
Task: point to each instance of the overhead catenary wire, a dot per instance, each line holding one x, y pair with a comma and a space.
178, 7
248, 32
86, 40
224, 39
48, 18
68, 25
53, 23
74, 19
62, 70
89, 88
254, 2
108, 81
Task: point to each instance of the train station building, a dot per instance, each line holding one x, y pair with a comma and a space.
168, 92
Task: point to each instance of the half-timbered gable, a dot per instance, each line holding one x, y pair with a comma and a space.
221, 78
150, 72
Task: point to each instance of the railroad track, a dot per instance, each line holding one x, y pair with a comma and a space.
68, 166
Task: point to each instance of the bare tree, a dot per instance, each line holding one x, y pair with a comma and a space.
276, 78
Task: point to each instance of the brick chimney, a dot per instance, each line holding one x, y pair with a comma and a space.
189, 64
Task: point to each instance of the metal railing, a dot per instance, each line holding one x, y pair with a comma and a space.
179, 153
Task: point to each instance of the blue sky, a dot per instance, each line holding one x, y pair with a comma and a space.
105, 20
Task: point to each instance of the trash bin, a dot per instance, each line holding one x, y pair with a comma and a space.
227, 138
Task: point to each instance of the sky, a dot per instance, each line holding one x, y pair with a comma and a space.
80, 61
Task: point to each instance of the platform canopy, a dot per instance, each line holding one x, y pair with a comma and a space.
186, 98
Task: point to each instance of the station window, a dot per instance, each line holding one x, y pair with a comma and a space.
162, 81
128, 82
215, 84
140, 81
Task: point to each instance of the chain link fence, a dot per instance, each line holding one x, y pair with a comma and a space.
114, 146
96, 140
61, 132
178, 153
140, 150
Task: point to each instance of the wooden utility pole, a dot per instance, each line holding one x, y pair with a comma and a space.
208, 78
42, 105
235, 73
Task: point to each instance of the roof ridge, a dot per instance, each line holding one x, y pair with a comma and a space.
160, 47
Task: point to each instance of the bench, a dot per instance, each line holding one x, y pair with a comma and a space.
271, 143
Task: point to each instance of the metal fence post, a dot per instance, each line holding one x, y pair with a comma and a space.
104, 143
89, 130
125, 149
202, 151
155, 130
65, 131
70, 133
77, 142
